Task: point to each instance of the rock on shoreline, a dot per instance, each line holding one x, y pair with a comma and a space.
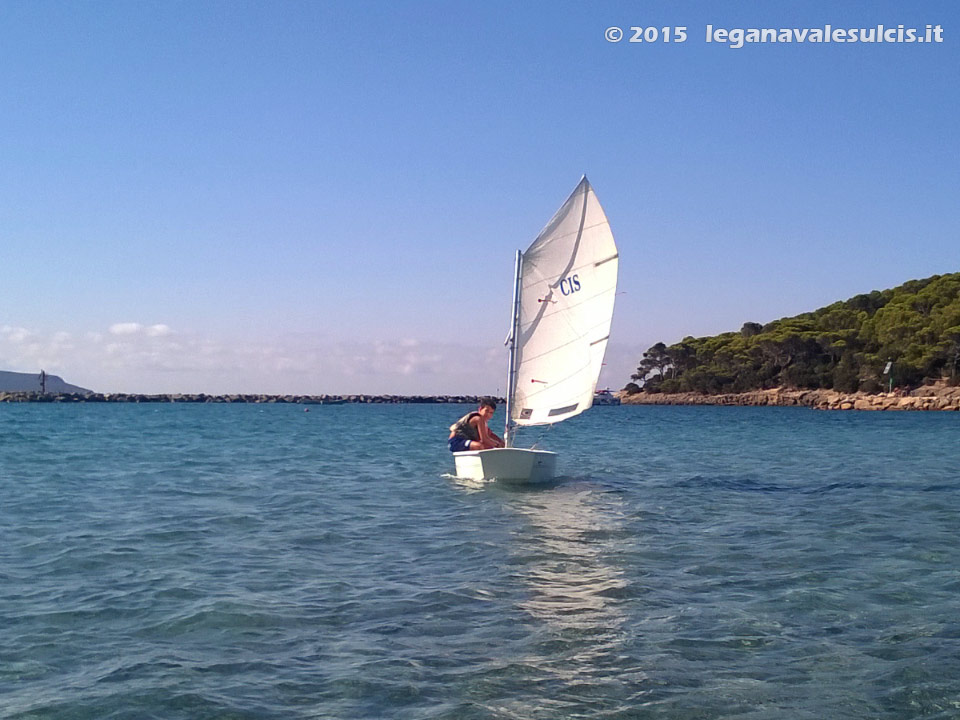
936, 397
15, 397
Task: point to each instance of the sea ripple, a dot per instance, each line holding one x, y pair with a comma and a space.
261, 562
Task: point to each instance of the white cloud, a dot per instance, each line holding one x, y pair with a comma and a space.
133, 357
16, 335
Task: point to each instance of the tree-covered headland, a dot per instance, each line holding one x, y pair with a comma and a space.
845, 346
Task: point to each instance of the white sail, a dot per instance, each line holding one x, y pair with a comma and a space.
568, 282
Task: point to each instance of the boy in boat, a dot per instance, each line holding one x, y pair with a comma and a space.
471, 432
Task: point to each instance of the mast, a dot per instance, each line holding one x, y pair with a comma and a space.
512, 366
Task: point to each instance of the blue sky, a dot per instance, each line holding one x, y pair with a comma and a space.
313, 197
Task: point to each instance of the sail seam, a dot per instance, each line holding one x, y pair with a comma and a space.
578, 338
551, 279
554, 385
562, 310
566, 235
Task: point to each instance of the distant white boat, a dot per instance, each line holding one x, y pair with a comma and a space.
563, 295
606, 397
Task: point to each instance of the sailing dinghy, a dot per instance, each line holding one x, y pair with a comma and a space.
563, 293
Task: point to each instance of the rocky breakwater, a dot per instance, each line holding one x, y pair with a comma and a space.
14, 397
934, 397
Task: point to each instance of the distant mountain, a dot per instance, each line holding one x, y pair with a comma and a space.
30, 382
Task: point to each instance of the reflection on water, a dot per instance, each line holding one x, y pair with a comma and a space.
468, 485
563, 549
566, 557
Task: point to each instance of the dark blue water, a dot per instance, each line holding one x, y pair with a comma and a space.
215, 561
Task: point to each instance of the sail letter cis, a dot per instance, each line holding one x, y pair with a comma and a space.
567, 291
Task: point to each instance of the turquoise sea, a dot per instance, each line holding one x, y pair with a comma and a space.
259, 561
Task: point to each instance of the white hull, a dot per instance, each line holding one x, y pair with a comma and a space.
506, 464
